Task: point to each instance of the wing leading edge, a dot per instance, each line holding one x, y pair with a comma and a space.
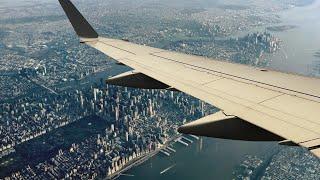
272, 105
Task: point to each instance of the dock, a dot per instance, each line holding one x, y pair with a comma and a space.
171, 149
182, 142
189, 140
164, 152
195, 137
129, 175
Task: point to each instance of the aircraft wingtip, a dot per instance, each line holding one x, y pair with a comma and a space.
79, 23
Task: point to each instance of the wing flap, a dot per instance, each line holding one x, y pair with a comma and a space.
316, 152
312, 144
295, 106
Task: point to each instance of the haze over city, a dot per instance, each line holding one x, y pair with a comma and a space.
60, 120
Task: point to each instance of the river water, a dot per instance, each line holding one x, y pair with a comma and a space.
208, 158
299, 44
216, 159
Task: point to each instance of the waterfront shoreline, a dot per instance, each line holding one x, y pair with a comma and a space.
144, 158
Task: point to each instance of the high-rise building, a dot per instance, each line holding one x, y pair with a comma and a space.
150, 107
117, 113
127, 136
112, 127
202, 108
118, 98
54, 70
136, 112
95, 91
81, 100
92, 105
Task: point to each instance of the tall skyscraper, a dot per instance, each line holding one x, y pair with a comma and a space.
44, 70
202, 108
81, 100
127, 136
117, 113
150, 107
112, 127
95, 91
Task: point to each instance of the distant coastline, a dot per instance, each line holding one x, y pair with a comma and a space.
281, 28
317, 54
305, 3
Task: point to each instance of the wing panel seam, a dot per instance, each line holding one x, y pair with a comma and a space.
258, 82
281, 94
117, 47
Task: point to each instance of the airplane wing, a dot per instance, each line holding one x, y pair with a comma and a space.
256, 104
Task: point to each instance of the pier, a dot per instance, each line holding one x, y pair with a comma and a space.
164, 152
182, 142
189, 140
129, 175
171, 149
195, 137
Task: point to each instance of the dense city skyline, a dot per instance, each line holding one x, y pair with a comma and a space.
49, 82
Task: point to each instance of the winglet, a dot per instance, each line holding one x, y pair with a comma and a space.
79, 23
